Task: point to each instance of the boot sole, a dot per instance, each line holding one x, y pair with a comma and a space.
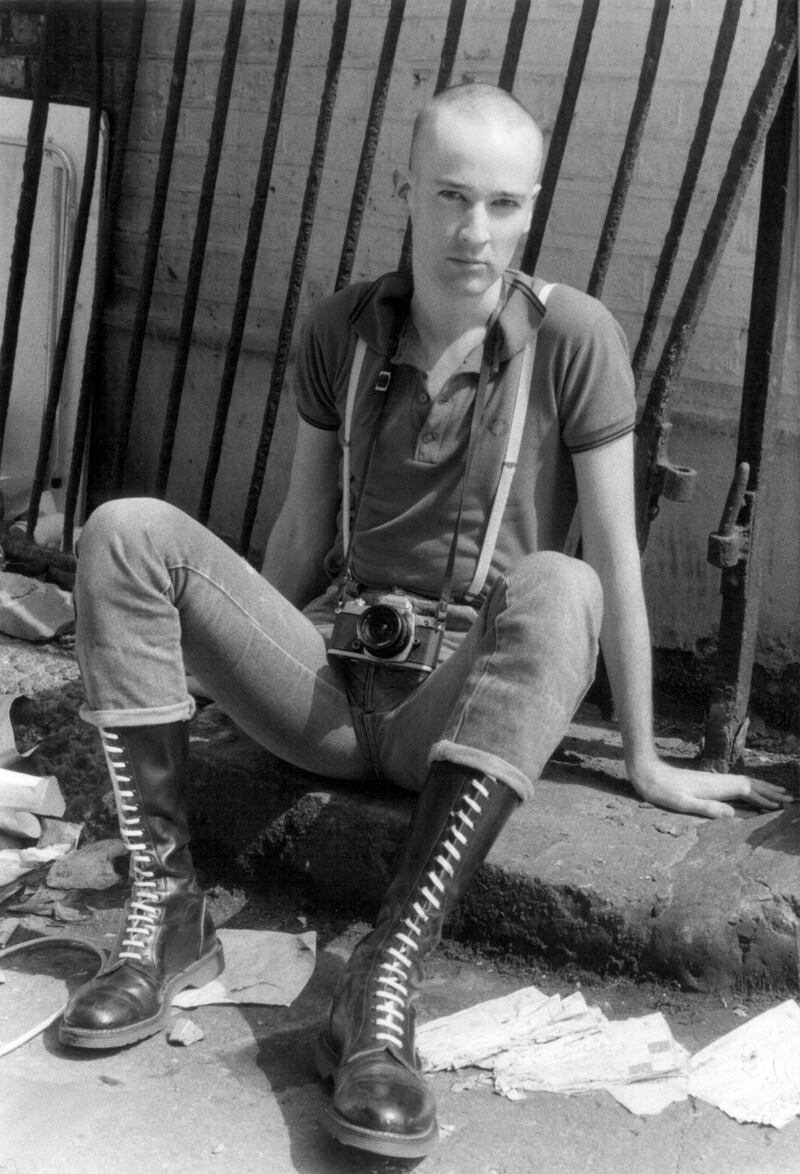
392, 1145
197, 974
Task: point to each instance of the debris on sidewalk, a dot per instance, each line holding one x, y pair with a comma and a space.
475, 1035
534, 1043
261, 966
89, 867
33, 610
185, 1032
29, 807
17, 862
23, 825
753, 1072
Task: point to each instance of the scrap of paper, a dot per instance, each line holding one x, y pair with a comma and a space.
261, 966
647, 1097
532, 1042
17, 862
475, 1035
753, 1072
622, 1052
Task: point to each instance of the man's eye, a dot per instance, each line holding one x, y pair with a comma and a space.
506, 203
449, 194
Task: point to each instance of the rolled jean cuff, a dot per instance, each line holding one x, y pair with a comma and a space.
486, 763
109, 719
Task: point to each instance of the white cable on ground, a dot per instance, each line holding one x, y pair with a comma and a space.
56, 940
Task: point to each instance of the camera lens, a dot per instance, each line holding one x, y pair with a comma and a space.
383, 631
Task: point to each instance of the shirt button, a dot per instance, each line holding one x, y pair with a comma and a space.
422, 398
428, 437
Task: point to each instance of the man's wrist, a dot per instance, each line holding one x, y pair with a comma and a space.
640, 763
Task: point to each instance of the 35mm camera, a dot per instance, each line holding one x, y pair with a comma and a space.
385, 627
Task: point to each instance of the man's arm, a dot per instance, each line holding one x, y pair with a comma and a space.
606, 496
306, 526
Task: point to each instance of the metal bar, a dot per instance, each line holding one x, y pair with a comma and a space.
250, 255
26, 211
630, 152
773, 275
705, 118
369, 147
197, 258
292, 299
744, 156
94, 340
516, 34
155, 226
561, 129
74, 268
452, 35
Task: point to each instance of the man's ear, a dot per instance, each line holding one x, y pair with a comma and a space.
402, 184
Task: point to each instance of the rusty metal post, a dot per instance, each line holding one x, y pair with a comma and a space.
705, 119
651, 430
558, 140
739, 547
197, 259
292, 300
88, 418
255, 225
516, 32
377, 108
152, 248
26, 211
630, 151
74, 268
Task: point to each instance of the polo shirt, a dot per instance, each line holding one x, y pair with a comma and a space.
582, 396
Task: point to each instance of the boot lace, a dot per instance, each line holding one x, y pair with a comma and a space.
405, 944
142, 913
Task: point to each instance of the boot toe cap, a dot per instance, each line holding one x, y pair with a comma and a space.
381, 1095
107, 1005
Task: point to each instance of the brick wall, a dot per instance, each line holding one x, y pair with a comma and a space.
707, 398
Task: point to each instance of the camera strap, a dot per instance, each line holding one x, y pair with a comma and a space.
510, 459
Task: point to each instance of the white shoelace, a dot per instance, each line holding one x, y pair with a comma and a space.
391, 999
142, 909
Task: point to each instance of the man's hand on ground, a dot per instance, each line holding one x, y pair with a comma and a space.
704, 792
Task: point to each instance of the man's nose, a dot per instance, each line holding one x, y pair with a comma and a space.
474, 227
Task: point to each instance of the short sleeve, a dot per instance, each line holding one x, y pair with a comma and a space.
593, 377
316, 401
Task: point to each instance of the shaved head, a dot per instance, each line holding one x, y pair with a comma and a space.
481, 103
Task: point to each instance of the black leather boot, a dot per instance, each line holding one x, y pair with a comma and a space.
167, 940
381, 1102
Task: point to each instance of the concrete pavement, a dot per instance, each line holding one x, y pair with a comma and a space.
585, 872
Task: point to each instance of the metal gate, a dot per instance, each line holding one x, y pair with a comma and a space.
766, 127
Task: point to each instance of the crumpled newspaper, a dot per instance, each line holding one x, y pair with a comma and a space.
531, 1042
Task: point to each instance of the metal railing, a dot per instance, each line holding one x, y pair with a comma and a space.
771, 105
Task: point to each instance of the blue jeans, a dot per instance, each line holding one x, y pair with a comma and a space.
157, 596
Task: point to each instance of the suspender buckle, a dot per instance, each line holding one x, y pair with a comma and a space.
383, 380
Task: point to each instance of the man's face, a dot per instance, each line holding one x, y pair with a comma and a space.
470, 194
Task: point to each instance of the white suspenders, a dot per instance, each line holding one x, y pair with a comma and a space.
507, 471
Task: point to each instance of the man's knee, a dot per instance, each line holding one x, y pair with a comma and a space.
121, 521
566, 583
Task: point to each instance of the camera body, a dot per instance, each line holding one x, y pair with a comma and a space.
385, 628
